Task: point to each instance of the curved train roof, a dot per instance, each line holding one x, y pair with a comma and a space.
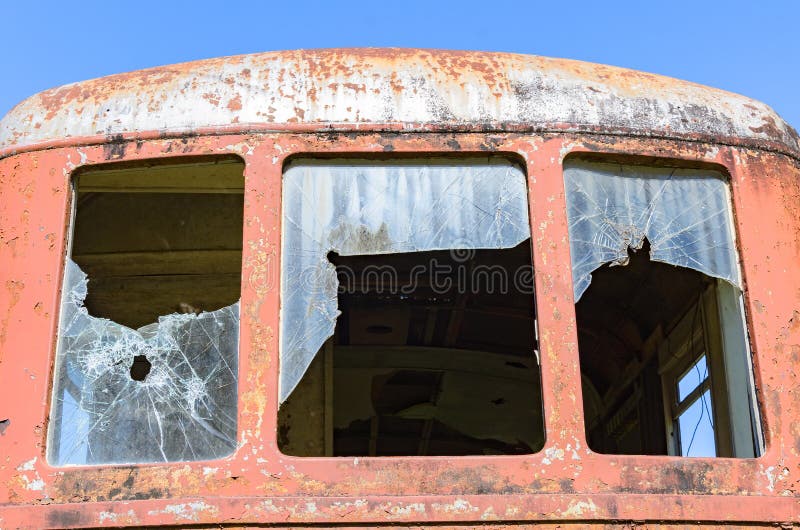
390, 89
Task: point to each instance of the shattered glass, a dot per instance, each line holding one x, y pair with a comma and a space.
184, 409
684, 214
360, 207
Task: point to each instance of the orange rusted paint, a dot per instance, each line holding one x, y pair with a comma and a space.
563, 486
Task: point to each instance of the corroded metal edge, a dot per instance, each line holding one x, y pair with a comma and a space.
384, 89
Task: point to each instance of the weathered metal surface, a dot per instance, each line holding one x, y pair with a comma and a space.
393, 88
564, 482
564, 485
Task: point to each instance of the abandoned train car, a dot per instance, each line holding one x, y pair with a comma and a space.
368, 287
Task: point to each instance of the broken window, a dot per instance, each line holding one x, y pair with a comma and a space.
147, 355
407, 323
665, 360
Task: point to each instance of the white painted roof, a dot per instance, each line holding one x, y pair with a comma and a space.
373, 88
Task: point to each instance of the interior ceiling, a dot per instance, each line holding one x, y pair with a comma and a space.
416, 312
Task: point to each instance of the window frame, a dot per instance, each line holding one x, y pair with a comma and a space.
725, 328
223, 175
558, 484
436, 158
699, 337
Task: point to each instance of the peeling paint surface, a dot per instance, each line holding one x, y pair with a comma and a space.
185, 512
563, 486
393, 86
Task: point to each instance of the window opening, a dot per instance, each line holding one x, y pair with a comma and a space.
147, 355
692, 412
694, 378
420, 303
696, 426
665, 359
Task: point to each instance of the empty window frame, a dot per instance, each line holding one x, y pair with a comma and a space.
147, 354
665, 360
407, 319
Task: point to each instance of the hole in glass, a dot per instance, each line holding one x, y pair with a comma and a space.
140, 368
452, 372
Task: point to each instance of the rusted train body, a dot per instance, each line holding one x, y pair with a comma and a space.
398, 287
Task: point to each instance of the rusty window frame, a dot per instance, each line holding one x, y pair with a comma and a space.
728, 277
150, 176
428, 159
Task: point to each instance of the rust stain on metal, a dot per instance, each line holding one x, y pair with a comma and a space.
418, 88
433, 97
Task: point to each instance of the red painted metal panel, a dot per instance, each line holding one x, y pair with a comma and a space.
564, 482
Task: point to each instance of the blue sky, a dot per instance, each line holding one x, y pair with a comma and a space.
746, 47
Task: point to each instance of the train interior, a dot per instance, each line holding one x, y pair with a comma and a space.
423, 363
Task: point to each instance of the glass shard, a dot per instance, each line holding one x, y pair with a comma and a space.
685, 214
165, 392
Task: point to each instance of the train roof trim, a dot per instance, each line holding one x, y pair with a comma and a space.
375, 88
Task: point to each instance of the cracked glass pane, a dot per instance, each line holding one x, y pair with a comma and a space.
684, 214
147, 354
183, 409
359, 207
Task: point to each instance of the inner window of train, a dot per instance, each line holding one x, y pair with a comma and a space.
147, 355
407, 318
665, 361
